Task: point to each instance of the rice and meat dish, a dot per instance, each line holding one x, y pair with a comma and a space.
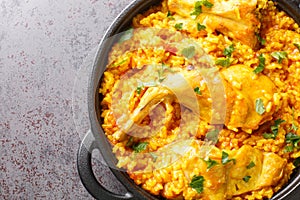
201, 99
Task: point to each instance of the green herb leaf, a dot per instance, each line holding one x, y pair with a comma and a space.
277, 122
293, 139
170, 16
261, 64
297, 162
178, 26
294, 127
139, 147
161, 71
198, 7
129, 142
259, 106
197, 10
154, 156
225, 158
212, 136
280, 55
268, 136
197, 90
224, 62
250, 165
260, 39
288, 149
126, 35
197, 183
139, 89
246, 178
189, 52
119, 63
210, 163
200, 27
228, 51
297, 45
207, 4
274, 129
142, 85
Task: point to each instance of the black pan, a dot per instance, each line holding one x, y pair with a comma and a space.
96, 139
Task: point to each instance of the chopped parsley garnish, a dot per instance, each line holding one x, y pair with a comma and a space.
246, 178
297, 45
197, 10
139, 147
288, 149
279, 55
129, 142
259, 106
161, 71
169, 15
200, 27
224, 62
278, 122
261, 64
269, 136
142, 85
297, 162
225, 158
250, 165
274, 130
228, 51
210, 163
294, 127
212, 135
197, 183
178, 26
139, 89
197, 90
154, 156
119, 63
292, 138
126, 35
261, 40
198, 7
189, 52
207, 4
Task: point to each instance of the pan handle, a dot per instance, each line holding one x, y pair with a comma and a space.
84, 166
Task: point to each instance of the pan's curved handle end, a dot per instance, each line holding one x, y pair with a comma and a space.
84, 166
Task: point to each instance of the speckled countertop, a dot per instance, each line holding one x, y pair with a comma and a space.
43, 46
46, 51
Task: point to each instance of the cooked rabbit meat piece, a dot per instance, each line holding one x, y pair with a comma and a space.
243, 90
253, 170
234, 18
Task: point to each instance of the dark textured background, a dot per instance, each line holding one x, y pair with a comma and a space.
43, 46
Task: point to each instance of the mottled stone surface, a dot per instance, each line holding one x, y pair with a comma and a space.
46, 50
43, 46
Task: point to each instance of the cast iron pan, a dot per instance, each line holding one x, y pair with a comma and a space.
96, 139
